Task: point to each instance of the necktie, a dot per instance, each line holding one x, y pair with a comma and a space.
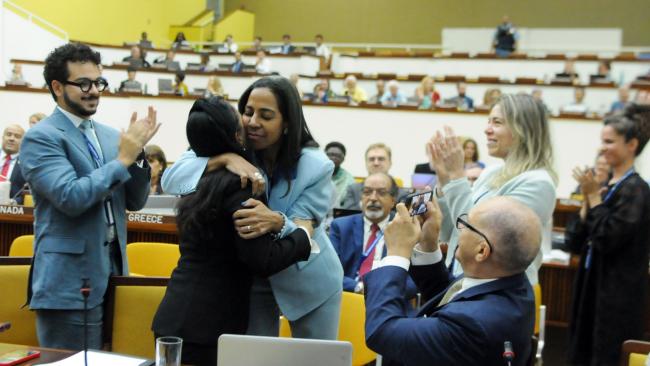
87, 130
366, 265
5, 169
451, 292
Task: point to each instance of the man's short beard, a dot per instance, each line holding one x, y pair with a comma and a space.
77, 108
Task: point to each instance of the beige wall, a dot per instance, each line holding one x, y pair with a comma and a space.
421, 21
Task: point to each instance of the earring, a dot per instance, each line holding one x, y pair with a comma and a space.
286, 131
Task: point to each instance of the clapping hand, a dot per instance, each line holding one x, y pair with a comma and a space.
589, 186
138, 134
446, 156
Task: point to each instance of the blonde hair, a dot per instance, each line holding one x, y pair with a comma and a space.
214, 85
526, 119
380, 145
424, 81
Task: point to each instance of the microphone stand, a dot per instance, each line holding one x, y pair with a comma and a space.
85, 292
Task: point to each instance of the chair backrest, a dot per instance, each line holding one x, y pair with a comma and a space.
133, 302
152, 259
351, 327
538, 302
14, 272
634, 353
22, 246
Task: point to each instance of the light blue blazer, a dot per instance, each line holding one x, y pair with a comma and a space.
69, 220
305, 285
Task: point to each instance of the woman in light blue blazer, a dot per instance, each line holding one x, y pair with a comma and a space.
517, 132
298, 186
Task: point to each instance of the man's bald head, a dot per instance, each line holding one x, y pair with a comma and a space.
12, 136
514, 231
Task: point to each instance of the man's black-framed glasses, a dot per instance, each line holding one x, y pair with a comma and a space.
461, 223
86, 84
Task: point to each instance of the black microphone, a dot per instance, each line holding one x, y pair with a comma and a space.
85, 292
508, 353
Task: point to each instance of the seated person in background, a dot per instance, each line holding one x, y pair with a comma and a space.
136, 59
505, 38
537, 95
294, 79
393, 97
12, 137
238, 65
465, 321
341, 178
359, 239
17, 77
144, 41
426, 93
130, 84
158, 163
169, 61
205, 63
461, 101
578, 106
623, 100
287, 47
180, 42
604, 72
257, 44
262, 64
378, 160
214, 88
321, 49
35, 118
354, 91
490, 98
229, 45
569, 71
473, 167
381, 89
180, 88
322, 92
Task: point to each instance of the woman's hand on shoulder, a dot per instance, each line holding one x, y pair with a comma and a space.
241, 167
256, 219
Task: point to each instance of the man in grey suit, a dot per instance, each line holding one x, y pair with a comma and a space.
84, 176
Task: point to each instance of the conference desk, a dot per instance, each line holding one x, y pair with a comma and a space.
47, 354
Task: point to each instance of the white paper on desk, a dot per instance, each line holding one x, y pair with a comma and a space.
98, 358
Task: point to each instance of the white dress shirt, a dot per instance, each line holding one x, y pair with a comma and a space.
12, 163
323, 51
264, 67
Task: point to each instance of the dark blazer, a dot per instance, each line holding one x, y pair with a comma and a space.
208, 294
469, 330
288, 49
238, 66
17, 183
346, 235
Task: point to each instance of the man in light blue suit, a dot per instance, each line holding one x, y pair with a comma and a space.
467, 320
83, 176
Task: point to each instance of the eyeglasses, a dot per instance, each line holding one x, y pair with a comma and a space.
86, 84
381, 192
461, 223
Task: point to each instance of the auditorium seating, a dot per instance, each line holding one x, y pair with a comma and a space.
22, 246
152, 259
351, 328
14, 272
635, 353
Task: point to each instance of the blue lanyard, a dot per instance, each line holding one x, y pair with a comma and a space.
372, 246
610, 193
93, 151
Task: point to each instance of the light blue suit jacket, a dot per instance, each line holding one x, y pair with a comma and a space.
305, 285
69, 221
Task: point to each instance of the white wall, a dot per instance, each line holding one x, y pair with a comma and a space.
574, 141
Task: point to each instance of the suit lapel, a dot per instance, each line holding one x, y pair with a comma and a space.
357, 235
72, 133
432, 305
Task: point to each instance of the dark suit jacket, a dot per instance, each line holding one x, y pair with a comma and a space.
237, 66
469, 330
17, 183
346, 234
208, 294
289, 49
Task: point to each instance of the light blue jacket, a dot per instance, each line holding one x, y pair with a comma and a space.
69, 221
305, 285
533, 188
